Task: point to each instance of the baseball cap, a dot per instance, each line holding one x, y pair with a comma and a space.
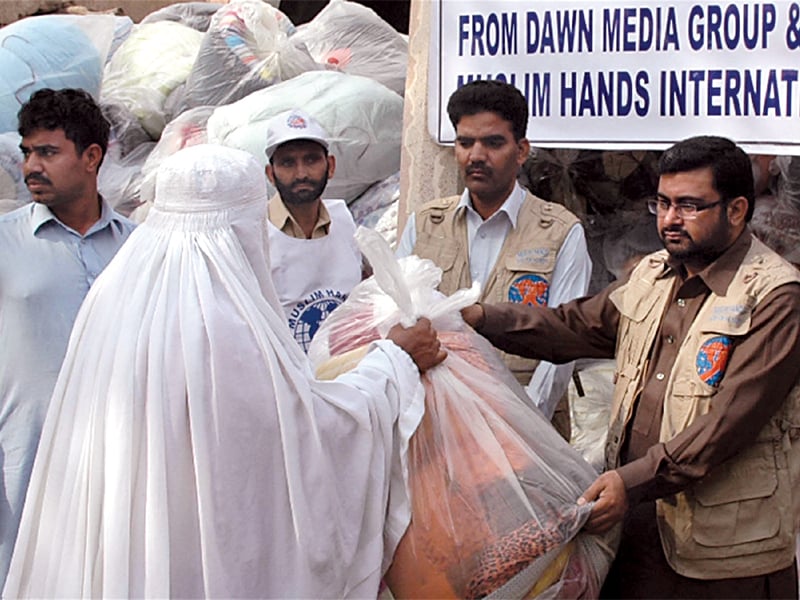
293, 125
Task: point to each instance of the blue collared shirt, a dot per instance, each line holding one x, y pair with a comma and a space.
46, 269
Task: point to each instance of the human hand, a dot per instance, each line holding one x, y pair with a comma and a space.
610, 502
421, 343
473, 315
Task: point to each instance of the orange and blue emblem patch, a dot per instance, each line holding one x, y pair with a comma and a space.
295, 121
529, 289
712, 359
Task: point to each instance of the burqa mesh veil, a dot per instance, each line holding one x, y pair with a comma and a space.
188, 451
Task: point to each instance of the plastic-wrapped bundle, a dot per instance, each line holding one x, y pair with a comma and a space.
590, 408
120, 178
776, 219
493, 486
246, 48
363, 117
353, 39
51, 51
147, 67
127, 132
196, 15
188, 129
13, 191
123, 27
370, 205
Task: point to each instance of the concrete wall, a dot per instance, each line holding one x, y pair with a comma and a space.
427, 170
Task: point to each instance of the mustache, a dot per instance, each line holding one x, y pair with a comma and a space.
305, 181
477, 168
675, 229
39, 178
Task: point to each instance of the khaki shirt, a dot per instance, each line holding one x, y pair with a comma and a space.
280, 217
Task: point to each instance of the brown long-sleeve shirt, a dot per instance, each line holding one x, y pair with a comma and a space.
762, 368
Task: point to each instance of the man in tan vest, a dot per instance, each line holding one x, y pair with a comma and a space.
703, 443
519, 247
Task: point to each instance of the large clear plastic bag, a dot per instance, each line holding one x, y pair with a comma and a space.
246, 48
352, 38
188, 129
120, 177
13, 191
196, 15
590, 393
51, 51
493, 486
154, 60
363, 118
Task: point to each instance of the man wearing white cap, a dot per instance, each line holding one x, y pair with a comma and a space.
314, 258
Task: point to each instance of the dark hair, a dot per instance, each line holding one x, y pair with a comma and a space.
72, 110
731, 168
497, 97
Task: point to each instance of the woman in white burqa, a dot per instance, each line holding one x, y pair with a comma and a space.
188, 450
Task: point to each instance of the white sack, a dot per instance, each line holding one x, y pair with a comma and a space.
363, 117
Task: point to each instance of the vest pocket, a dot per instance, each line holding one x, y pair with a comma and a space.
634, 300
737, 507
441, 250
688, 399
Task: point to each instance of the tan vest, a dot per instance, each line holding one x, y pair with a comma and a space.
524, 267
739, 520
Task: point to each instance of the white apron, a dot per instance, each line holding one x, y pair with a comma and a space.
313, 277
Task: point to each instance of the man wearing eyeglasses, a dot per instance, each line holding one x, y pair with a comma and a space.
704, 432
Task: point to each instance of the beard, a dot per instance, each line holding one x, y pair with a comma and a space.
689, 250
305, 196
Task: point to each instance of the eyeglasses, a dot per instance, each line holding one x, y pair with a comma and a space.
685, 210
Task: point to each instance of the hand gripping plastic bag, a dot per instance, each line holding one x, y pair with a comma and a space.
493, 486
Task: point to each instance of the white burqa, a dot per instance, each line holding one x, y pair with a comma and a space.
188, 450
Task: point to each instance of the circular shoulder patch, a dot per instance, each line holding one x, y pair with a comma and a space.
529, 289
712, 359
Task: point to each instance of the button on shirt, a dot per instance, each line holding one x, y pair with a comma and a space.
46, 269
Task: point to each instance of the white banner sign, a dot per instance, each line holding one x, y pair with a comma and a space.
627, 74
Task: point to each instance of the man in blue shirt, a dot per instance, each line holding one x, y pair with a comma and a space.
51, 251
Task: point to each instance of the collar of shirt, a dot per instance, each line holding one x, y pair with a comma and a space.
41, 215
718, 275
485, 238
281, 218
510, 207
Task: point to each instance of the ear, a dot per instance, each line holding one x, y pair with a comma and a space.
331, 165
269, 173
524, 148
92, 157
737, 211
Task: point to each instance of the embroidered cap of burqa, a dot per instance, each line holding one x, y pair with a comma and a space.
188, 451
